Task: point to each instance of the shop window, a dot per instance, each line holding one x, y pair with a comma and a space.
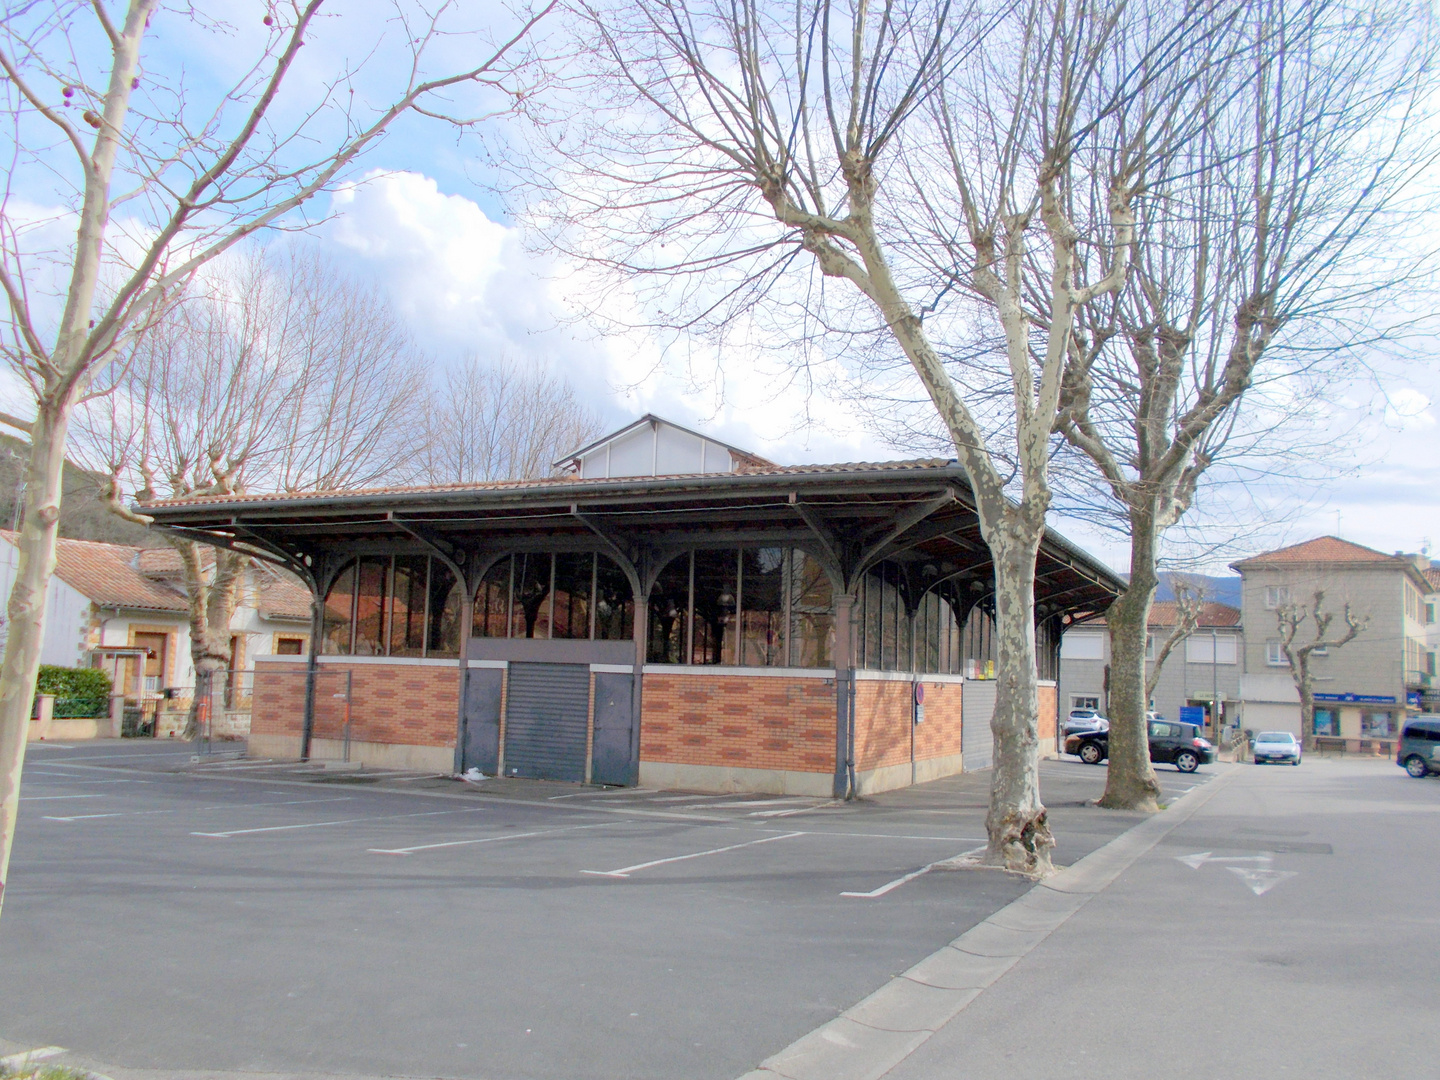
338, 637
762, 607
408, 605
443, 633
812, 613
574, 580
669, 613
614, 602
1327, 722
713, 625
1379, 724
492, 601
530, 606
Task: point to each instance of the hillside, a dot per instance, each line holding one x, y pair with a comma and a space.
83, 513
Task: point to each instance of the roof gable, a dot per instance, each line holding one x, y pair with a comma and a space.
654, 446
1323, 549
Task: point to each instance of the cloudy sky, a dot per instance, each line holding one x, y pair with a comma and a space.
424, 225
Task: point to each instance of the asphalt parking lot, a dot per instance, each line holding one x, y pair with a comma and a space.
165, 915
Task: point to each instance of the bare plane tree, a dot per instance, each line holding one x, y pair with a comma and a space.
1291, 617
272, 374
1285, 224
886, 177
193, 173
500, 422
1189, 603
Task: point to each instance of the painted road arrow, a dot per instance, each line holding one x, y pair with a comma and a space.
1260, 880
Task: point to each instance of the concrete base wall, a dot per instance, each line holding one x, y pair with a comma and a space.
724, 779
65, 730
374, 755
890, 777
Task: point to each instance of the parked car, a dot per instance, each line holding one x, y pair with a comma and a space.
1276, 746
1419, 748
1085, 721
1170, 744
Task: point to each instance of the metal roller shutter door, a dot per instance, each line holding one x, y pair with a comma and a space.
546, 715
977, 706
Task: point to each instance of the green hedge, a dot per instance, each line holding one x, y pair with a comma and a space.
79, 692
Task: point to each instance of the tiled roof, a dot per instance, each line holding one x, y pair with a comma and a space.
164, 562
539, 484
1433, 577
1212, 613
281, 596
1323, 549
107, 575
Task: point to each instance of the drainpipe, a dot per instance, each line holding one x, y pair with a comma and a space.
844, 786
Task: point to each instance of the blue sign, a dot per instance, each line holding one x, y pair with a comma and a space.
1192, 714
1357, 699
1412, 698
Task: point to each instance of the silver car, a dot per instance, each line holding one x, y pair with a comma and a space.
1278, 746
1085, 722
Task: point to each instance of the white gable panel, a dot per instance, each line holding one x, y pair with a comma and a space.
677, 451
633, 454
717, 458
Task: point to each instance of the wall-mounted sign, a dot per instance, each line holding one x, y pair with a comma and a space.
1357, 699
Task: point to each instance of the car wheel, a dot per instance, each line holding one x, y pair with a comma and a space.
1090, 753
1415, 766
1259, 762
1186, 761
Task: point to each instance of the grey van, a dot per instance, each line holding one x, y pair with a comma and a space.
1419, 751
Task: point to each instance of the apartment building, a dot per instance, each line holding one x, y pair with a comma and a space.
1202, 671
1364, 690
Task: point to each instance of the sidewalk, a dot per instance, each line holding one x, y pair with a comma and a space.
1275, 922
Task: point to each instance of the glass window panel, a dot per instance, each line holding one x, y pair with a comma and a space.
714, 629
669, 603
444, 630
370, 597
812, 613
407, 611
874, 592
890, 615
906, 626
339, 614
573, 575
492, 602
530, 613
931, 640
614, 602
762, 607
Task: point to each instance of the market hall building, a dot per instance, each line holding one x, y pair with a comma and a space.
668, 611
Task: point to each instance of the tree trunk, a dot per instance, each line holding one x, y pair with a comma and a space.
1017, 826
212, 605
1130, 782
26, 612
1306, 688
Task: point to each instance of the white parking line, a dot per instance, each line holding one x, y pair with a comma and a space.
891, 885
342, 821
21, 1061
82, 817
43, 798
478, 840
626, 871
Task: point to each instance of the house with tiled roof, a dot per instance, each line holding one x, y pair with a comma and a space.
1202, 671
123, 609
1364, 690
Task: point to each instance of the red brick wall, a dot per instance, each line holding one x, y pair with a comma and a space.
740, 721
1049, 713
405, 704
882, 722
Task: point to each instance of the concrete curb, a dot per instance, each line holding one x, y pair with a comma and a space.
869, 1039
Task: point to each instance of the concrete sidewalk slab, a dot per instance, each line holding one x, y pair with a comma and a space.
870, 1039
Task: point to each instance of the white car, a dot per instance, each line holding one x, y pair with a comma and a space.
1085, 722
1278, 746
